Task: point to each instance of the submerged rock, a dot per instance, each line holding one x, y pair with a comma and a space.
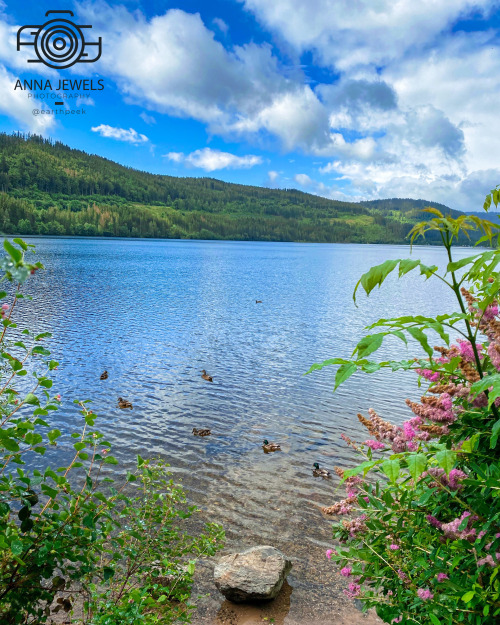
256, 574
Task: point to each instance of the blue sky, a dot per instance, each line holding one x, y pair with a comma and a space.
349, 100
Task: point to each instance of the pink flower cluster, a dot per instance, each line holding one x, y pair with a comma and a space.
374, 445
441, 577
451, 531
425, 594
354, 590
403, 576
489, 560
451, 481
356, 526
464, 350
428, 374
494, 354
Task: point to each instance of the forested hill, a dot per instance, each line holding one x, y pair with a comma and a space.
50, 188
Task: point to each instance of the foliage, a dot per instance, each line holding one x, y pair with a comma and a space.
422, 541
69, 535
49, 188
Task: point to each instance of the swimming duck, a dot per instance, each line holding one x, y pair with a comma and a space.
267, 446
123, 403
201, 432
317, 472
206, 377
104, 376
258, 301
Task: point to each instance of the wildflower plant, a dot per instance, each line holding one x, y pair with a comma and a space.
420, 541
71, 539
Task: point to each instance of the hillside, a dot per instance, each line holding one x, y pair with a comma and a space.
50, 188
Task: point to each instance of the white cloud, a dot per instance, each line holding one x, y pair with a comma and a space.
129, 136
211, 160
273, 176
174, 64
17, 106
148, 119
366, 32
221, 25
303, 179
176, 157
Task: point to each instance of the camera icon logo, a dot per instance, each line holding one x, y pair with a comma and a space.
59, 43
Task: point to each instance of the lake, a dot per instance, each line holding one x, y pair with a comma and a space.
155, 313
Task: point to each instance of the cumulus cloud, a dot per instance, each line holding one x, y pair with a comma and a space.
174, 64
129, 136
15, 104
303, 179
212, 160
349, 34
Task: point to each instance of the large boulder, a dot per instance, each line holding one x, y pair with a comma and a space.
256, 574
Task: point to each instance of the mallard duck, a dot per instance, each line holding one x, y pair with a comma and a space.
104, 376
201, 432
317, 472
267, 446
123, 403
258, 301
206, 377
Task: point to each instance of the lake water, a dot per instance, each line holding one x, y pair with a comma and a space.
155, 313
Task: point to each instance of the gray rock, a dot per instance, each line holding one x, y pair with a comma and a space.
254, 575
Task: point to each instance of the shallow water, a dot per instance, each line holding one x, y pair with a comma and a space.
155, 313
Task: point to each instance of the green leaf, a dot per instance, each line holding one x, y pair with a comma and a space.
343, 373
446, 459
391, 468
416, 464
110, 460
470, 444
363, 467
108, 573
31, 399
419, 336
375, 276
21, 243
468, 596
434, 619
368, 345
12, 251
16, 547
53, 435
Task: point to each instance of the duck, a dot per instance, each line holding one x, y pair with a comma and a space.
317, 472
104, 376
258, 301
201, 432
205, 376
123, 403
267, 446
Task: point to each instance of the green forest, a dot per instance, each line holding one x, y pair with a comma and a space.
48, 188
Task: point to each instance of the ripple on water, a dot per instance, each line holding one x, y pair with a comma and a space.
155, 313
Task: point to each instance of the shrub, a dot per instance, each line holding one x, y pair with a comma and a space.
421, 543
70, 536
